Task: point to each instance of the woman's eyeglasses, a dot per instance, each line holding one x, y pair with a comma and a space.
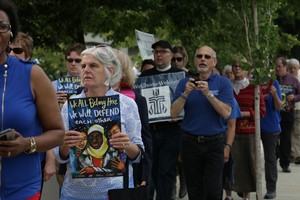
178, 59
4, 27
206, 56
71, 60
16, 50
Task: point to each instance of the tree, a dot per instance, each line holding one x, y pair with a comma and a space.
55, 23
262, 46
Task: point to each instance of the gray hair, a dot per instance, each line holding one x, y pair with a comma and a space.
293, 62
106, 55
227, 68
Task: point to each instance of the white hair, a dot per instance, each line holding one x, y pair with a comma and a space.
226, 68
293, 62
106, 55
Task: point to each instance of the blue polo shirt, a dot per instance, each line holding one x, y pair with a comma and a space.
200, 117
235, 112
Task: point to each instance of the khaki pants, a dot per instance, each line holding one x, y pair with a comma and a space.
295, 151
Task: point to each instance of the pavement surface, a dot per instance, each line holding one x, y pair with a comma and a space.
288, 187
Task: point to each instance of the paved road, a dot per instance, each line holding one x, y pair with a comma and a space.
288, 186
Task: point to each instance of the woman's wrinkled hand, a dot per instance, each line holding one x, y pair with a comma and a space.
119, 141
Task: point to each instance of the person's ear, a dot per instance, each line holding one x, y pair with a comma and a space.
11, 35
112, 70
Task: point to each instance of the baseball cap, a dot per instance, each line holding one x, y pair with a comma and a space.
162, 43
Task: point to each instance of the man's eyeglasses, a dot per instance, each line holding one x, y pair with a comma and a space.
4, 27
77, 60
161, 51
16, 50
236, 66
178, 59
206, 56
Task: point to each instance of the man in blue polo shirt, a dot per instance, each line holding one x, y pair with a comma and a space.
206, 103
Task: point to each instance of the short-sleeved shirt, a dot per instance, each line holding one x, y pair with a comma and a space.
200, 117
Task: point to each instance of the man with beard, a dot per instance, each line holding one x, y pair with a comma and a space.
207, 100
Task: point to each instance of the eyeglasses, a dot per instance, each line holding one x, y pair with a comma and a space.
161, 51
16, 50
206, 56
236, 66
4, 27
77, 60
178, 59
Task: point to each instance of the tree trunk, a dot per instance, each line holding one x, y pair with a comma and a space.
258, 145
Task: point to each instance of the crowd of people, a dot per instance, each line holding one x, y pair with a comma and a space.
207, 136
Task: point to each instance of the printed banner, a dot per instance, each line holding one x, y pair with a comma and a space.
144, 42
285, 91
68, 84
97, 119
158, 91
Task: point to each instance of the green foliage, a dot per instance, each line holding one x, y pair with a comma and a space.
227, 27
265, 40
51, 22
51, 61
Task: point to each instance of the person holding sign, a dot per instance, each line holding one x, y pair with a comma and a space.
142, 170
207, 100
100, 70
166, 134
67, 85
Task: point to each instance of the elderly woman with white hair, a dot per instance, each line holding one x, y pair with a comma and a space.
293, 67
101, 69
227, 71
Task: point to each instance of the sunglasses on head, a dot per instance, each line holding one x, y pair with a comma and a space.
101, 46
206, 56
77, 60
16, 50
178, 59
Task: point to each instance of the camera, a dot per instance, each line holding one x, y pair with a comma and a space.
196, 78
7, 134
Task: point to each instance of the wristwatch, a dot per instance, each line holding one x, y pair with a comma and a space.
32, 146
210, 95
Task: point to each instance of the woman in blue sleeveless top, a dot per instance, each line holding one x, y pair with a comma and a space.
29, 108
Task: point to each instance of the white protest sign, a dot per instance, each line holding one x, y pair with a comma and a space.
144, 41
